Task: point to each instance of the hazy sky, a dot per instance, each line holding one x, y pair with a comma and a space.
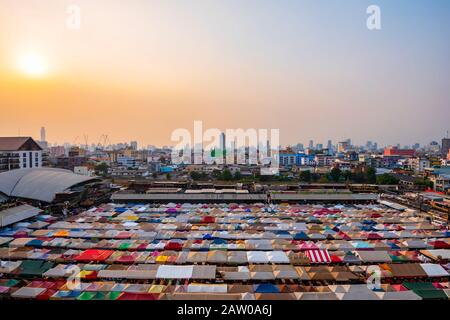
138, 69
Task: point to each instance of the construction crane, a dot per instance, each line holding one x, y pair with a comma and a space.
102, 141
86, 139
99, 144
105, 141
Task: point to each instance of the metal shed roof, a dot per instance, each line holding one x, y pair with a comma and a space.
39, 183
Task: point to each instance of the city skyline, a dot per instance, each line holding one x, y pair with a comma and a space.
141, 72
104, 141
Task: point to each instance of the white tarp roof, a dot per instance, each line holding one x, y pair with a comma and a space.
207, 288
174, 272
257, 257
27, 292
277, 257
434, 270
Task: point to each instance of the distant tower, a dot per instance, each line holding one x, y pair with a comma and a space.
223, 147
43, 135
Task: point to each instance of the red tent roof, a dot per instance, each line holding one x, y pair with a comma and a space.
94, 255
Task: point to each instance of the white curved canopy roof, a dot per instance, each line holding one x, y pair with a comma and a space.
39, 183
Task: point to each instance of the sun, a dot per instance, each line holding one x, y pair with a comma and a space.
33, 65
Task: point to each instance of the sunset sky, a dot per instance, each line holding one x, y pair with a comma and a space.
138, 69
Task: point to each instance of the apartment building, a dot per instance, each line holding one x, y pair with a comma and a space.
19, 153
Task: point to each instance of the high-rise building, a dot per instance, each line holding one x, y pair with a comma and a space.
134, 145
298, 148
222, 148
43, 142
43, 135
375, 146
223, 145
445, 146
349, 142
343, 146
311, 144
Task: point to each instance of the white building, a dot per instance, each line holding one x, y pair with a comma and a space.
83, 170
128, 162
419, 164
20, 153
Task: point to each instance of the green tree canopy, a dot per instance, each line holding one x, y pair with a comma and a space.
226, 175
335, 174
371, 175
101, 168
305, 176
386, 179
195, 175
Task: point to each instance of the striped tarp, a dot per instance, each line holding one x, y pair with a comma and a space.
318, 256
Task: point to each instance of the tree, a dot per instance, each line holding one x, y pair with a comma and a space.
168, 176
347, 174
371, 175
226, 175
216, 173
237, 175
424, 182
155, 175
101, 169
386, 179
359, 177
315, 177
305, 176
335, 174
195, 175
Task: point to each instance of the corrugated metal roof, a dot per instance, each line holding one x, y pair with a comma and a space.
19, 213
38, 183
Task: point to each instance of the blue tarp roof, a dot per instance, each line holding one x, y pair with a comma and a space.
266, 288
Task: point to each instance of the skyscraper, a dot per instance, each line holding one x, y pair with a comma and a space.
222, 149
445, 146
43, 135
330, 146
343, 146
